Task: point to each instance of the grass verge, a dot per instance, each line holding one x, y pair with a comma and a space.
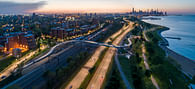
125, 64
114, 80
6, 62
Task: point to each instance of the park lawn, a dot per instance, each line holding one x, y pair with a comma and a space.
6, 62
166, 74
126, 41
147, 81
125, 64
153, 34
115, 81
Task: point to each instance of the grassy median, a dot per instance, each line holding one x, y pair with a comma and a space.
92, 70
114, 80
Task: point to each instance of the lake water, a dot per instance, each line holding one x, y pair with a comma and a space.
182, 27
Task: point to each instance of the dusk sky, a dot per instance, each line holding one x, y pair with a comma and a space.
69, 6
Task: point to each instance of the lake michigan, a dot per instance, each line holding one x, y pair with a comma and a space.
180, 27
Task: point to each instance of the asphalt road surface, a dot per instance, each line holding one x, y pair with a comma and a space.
34, 69
98, 79
81, 75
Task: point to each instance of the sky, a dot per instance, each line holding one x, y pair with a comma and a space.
99, 6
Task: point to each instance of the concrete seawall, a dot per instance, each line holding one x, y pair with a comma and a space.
164, 41
187, 65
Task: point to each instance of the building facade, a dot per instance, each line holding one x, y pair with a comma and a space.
58, 32
22, 40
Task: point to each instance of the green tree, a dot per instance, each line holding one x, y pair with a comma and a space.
148, 73
193, 80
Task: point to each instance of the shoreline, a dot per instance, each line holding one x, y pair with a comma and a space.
187, 65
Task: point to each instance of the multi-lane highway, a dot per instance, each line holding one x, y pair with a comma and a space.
98, 79
34, 72
36, 65
82, 74
12, 67
38, 69
90, 37
102, 69
8, 71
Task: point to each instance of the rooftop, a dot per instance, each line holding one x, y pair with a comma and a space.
28, 35
1, 46
69, 29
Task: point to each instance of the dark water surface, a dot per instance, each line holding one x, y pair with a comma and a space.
180, 27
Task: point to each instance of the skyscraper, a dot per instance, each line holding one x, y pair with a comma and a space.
133, 10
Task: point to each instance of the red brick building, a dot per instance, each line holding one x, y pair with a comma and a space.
21, 40
59, 32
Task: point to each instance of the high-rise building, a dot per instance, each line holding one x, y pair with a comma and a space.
148, 12
133, 10
34, 14
165, 13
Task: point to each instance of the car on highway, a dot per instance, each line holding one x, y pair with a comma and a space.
3, 77
70, 87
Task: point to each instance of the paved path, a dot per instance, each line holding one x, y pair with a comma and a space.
147, 67
7, 71
122, 73
145, 59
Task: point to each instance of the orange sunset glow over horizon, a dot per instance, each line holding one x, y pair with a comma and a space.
95, 6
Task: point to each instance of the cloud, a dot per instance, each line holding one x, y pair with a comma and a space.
19, 8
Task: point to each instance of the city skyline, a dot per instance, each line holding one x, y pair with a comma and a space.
92, 6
